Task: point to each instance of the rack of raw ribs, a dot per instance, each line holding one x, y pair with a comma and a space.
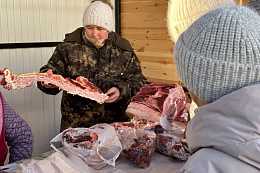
158, 117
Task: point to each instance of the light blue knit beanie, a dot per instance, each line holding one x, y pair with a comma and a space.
220, 52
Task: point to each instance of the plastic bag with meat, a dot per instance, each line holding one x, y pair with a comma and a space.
122, 129
168, 142
173, 146
97, 145
139, 145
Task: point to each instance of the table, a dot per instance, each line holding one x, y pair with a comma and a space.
159, 164
13, 166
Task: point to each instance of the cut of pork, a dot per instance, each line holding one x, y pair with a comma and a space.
81, 86
157, 102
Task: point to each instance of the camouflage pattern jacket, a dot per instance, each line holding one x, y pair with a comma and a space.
113, 65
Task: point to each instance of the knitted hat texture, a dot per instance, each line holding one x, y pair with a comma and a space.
182, 13
99, 14
220, 52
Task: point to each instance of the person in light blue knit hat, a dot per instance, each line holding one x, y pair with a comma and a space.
218, 59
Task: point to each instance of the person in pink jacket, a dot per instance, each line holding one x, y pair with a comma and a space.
14, 133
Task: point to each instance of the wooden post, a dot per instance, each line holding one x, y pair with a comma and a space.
245, 1
239, 2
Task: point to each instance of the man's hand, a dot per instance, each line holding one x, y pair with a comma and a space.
113, 94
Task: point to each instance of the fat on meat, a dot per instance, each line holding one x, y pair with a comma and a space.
81, 86
158, 102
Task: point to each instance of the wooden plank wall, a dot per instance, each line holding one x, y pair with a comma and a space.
242, 1
143, 23
245, 1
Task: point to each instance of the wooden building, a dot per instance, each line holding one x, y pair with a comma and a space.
143, 23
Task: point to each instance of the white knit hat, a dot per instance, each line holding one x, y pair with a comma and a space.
100, 14
182, 13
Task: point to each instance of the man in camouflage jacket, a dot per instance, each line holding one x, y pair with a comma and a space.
113, 65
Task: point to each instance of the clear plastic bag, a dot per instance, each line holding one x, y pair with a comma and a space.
173, 146
96, 153
139, 145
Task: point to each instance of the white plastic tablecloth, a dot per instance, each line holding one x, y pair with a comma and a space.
158, 164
